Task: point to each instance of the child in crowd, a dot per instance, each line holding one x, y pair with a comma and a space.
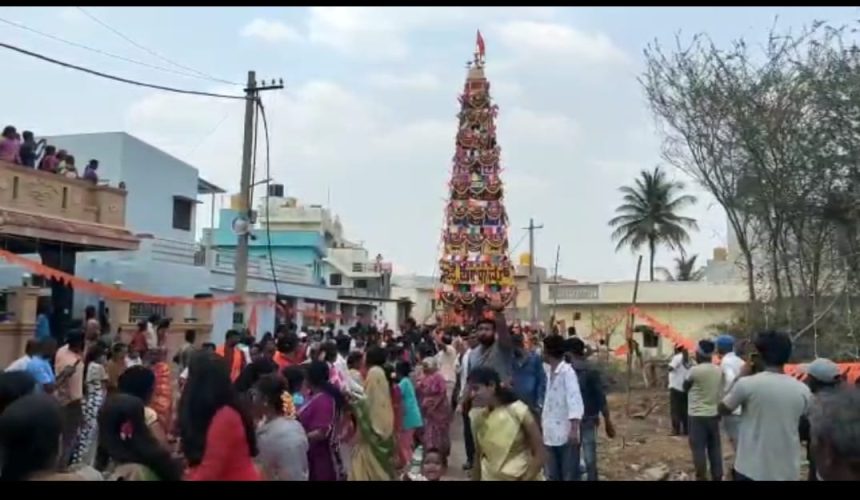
433, 467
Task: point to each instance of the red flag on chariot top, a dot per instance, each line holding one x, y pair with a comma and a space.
479, 43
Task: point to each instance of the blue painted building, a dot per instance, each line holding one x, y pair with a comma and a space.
305, 248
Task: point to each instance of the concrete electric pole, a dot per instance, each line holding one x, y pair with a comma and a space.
534, 290
240, 287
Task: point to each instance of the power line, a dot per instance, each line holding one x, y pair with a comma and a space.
150, 51
209, 134
117, 78
268, 193
99, 51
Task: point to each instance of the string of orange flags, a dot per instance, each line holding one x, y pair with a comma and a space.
850, 371
116, 293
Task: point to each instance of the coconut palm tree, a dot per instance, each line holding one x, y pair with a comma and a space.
685, 270
649, 215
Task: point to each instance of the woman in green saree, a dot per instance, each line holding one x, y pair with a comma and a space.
373, 453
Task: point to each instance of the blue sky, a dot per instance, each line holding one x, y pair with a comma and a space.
369, 110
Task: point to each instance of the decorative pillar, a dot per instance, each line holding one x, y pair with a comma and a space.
119, 311
23, 303
14, 335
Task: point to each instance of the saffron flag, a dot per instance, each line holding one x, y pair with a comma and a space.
480, 44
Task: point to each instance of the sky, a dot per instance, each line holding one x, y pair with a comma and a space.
367, 119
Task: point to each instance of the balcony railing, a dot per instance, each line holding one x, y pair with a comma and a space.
371, 267
362, 293
43, 193
261, 268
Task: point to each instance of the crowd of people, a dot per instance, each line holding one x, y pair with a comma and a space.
364, 404
740, 390
23, 149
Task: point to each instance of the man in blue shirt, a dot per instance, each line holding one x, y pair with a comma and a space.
529, 378
40, 367
43, 323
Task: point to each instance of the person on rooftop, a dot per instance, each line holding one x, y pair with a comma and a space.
67, 167
10, 145
29, 149
49, 160
90, 173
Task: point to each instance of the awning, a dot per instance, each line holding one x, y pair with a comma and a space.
206, 187
87, 236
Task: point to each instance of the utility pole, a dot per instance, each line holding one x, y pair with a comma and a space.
240, 287
533, 288
555, 291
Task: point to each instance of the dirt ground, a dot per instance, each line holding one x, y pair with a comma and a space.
642, 449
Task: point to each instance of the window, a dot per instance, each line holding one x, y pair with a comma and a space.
360, 283
182, 210
336, 279
649, 337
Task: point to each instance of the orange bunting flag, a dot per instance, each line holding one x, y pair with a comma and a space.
480, 44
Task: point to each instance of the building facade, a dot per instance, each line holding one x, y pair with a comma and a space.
311, 238
695, 309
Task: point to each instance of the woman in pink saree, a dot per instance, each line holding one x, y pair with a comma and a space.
435, 408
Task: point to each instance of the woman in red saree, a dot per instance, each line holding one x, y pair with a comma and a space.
435, 408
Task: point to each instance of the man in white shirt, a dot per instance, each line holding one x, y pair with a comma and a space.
463, 374
446, 360
20, 364
562, 412
679, 366
731, 365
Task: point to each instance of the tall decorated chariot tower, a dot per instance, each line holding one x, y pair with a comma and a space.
475, 267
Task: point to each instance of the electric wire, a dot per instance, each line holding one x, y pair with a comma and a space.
117, 78
150, 51
99, 51
268, 182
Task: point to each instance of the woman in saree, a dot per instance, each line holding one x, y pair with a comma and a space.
319, 416
435, 407
373, 453
412, 420
162, 396
95, 390
134, 454
507, 438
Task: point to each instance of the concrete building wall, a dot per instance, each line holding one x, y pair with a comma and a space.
693, 309
692, 321
152, 178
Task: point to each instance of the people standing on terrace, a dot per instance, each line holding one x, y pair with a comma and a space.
90, 173
30, 149
67, 167
49, 160
10, 145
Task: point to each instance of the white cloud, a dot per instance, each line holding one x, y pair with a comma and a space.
271, 31
536, 39
409, 81
381, 33
532, 127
